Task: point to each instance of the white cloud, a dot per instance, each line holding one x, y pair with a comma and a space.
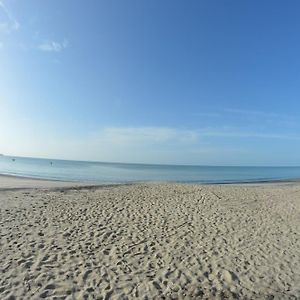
237, 133
131, 144
148, 135
137, 144
206, 114
10, 23
52, 46
255, 113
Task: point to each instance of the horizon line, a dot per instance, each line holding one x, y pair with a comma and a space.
152, 164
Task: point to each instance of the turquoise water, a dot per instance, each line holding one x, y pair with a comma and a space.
120, 172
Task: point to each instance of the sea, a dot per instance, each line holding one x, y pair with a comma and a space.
104, 172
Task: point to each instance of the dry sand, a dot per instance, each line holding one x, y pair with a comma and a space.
151, 241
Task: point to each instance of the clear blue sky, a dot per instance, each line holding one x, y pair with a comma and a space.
187, 82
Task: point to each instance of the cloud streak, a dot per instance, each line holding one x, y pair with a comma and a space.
246, 134
141, 144
255, 113
166, 135
127, 135
10, 23
52, 46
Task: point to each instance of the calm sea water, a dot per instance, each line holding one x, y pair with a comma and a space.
120, 172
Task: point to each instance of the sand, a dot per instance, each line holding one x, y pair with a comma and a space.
8, 182
151, 241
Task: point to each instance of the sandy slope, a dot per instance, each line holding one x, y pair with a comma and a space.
151, 241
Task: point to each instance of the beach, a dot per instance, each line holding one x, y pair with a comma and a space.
149, 240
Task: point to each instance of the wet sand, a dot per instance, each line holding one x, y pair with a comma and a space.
150, 241
8, 182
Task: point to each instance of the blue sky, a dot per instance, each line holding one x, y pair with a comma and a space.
185, 82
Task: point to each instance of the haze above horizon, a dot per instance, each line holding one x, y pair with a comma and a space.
166, 82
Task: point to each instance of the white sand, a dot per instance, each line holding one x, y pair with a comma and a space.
151, 241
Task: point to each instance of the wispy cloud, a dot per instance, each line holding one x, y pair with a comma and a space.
236, 133
147, 135
137, 140
255, 113
10, 23
52, 46
206, 114
144, 144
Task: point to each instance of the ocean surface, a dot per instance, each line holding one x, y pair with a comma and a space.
99, 172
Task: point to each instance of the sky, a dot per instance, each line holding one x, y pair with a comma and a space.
174, 82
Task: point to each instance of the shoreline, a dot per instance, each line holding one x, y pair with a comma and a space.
19, 182
12, 183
